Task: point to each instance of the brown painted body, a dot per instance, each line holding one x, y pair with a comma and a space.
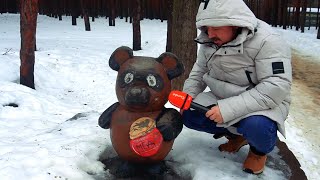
119, 133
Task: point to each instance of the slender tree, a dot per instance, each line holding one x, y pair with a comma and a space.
136, 25
183, 34
74, 12
126, 9
317, 21
169, 26
28, 26
303, 15
297, 14
85, 13
267, 11
284, 9
112, 12
275, 14
60, 9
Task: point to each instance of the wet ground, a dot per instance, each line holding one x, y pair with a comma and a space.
305, 107
118, 169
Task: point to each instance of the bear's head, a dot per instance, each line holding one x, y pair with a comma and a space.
144, 83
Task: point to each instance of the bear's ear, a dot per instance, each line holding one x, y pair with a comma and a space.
172, 64
119, 56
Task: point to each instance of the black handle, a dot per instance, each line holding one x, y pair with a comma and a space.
199, 107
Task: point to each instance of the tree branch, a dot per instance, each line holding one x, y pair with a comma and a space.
7, 51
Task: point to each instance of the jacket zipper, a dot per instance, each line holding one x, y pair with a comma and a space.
212, 56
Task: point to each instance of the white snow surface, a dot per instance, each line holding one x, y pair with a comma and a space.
43, 139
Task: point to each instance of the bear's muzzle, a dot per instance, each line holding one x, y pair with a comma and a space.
137, 96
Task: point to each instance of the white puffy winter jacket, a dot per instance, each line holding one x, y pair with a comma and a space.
250, 75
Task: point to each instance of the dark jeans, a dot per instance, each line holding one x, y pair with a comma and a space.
260, 131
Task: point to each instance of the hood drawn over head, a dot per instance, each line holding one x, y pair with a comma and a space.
217, 13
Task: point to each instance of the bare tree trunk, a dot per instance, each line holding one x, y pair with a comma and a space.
126, 9
303, 15
274, 13
85, 15
112, 13
318, 35
183, 34
74, 20
131, 6
94, 10
61, 10
3, 6
284, 9
169, 26
162, 10
310, 16
258, 9
267, 11
28, 26
297, 14
136, 25
74, 13
317, 21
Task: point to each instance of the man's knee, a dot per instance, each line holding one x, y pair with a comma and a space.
260, 131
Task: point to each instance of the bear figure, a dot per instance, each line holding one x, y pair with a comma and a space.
142, 88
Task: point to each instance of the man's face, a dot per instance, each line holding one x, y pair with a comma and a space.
222, 35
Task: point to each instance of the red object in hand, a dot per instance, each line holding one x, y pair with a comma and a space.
180, 99
184, 101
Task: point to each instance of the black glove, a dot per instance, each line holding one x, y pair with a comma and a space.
169, 123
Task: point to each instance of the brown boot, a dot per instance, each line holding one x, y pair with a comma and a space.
254, 164
234, 144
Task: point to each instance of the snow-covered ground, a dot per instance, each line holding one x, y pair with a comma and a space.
53, 133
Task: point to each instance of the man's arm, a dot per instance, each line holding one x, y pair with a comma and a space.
194, 84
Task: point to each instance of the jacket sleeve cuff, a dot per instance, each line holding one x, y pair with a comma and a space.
231, 109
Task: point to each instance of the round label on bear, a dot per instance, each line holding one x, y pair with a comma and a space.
141, 127
147, 145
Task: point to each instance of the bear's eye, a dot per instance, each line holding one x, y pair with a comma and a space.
128, 78
151, 80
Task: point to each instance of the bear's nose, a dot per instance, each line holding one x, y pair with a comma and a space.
136, 91
137, 96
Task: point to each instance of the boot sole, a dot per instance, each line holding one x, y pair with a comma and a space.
241, 145
251, 172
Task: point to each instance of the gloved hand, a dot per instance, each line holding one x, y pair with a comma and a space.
168, 132
169, 123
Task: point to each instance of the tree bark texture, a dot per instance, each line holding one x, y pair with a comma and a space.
183, 33
136, 25
28, 25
